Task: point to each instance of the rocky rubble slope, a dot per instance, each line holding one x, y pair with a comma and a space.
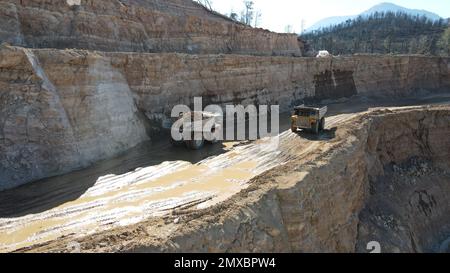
65, 109
407, 210
135, 26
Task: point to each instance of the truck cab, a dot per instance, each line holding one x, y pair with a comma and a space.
309, 118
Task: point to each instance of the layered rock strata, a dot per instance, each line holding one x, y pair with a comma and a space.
135, 26
64, 109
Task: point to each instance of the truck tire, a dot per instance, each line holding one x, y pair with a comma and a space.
195, 144
315, 128
211, 136
322, 124
176, 143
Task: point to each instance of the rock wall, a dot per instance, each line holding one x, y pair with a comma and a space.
161, 81
47, 130
64, 109
407, 207
135, 26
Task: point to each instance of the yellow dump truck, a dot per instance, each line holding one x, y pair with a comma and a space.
308, 118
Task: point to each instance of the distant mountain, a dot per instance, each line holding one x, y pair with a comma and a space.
330, 21
383, 7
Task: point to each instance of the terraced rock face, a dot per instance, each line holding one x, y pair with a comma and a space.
135, 26
65, 109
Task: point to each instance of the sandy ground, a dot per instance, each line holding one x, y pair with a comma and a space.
153, 180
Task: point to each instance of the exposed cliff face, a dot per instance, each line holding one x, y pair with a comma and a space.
161, 81
135, 26
47, 130
407, 210
408, 202
322, 211
66, 109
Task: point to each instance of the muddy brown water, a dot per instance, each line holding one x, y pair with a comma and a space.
148, 180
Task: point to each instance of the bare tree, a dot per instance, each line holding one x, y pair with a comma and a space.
248, 13
289, 29
258, 16
302, 28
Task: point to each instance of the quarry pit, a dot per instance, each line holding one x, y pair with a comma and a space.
86, 165
378, 175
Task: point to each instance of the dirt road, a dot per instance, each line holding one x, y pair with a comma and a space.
114, 193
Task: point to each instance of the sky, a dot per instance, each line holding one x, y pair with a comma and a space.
277, 14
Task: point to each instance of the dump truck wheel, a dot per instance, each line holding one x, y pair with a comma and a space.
214, 140
195, 144
176, 143
315, 128
322, 124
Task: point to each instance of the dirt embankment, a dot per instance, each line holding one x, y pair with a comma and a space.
338, 196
